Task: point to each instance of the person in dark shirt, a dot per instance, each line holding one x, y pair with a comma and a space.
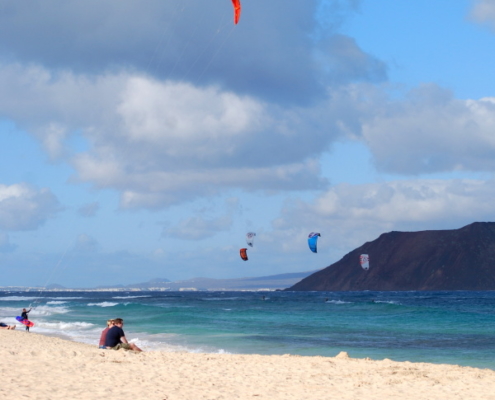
24, 315
116, 339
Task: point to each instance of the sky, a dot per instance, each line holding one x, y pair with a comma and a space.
144, 139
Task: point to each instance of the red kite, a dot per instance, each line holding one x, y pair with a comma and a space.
237, 10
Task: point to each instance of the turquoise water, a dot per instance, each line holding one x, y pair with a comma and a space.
439, 327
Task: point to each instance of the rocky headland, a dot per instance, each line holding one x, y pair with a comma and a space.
458, 259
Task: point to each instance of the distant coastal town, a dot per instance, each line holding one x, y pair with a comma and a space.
266, 283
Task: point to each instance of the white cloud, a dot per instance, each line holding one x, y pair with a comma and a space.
180, 40
153, 112
23, 207
160, 143
429, 131
483, 11
343, 62
52, 105
349, 215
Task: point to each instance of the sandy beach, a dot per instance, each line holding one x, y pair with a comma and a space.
41, 367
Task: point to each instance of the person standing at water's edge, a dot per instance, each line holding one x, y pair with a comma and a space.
116, 339
24, 315
104, 334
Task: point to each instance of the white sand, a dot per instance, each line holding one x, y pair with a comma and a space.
38, 367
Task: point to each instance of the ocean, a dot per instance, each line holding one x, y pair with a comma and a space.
435, 327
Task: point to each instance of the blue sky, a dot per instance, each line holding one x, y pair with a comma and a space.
144, 139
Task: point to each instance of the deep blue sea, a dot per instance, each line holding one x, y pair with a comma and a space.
438, 327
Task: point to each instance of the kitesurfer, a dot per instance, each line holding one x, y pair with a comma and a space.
24, 315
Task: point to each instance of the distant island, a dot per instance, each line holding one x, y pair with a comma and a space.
270, 282
458, 259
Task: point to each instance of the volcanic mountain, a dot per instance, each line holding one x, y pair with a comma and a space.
458, 259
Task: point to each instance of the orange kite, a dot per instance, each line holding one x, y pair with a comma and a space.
237, 10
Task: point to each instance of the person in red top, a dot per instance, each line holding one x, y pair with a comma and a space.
103, 336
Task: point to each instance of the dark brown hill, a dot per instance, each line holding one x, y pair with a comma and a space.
459, 259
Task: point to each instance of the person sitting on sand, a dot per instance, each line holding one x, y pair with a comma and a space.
104, 334
116, 339
5, 326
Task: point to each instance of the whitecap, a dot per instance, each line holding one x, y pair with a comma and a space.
17, 298
66, 298
103, 304
220, 298
161, 342
63, 326
338, 302
48, 310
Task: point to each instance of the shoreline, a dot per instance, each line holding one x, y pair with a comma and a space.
47, 367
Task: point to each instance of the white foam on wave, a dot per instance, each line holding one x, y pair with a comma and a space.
17, 298
8, 314
220, 298
83, 332
388, 302
338, 302
10, 311
130, 297
103, 304
48, 310
67, 298
89, 333
56, 302
65, 326
163, 342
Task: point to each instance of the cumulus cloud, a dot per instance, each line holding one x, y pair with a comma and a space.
175, 142
53, 105
343, 62
350, 215
427, 131
23, 207
483, 11
165, 142
162, 139
164, 125
178, 40
161, 143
